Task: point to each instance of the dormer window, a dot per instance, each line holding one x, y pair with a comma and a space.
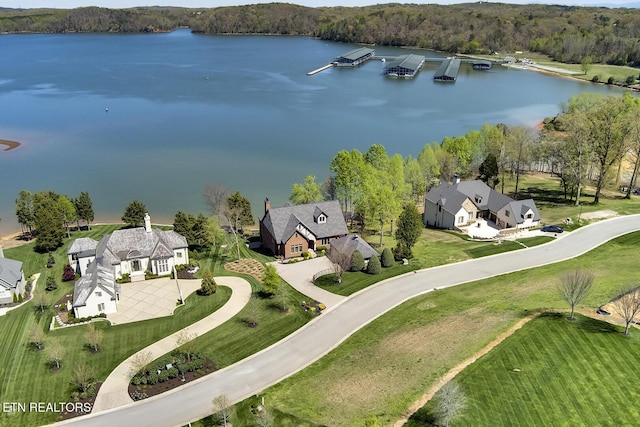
322, 219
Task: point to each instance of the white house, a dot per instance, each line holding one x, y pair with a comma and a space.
461, 203
96, 292
11, 279
130, 251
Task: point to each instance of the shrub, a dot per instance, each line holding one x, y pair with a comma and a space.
163, 376
630, 80
15, 297
152, 378
401, 251
305, 255
611, 80
595, 78
28, 287
374, 265
50, 260
387, 258
357, 261
20, 299
51, 284
173, 372
136, 379
208, 285
126, 278
321, 248
68, 274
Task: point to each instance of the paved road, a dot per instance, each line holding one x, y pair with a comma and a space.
323, 334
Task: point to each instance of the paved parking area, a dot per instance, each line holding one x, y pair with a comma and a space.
150, 299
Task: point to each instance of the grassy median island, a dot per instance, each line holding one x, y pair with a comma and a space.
570, 373
393, 361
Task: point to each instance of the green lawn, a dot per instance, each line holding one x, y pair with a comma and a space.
27, 378
603, 71
572, 373
395, 359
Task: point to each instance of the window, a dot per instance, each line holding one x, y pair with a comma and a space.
178, 254
74, 257
135, 265
529, 216
101, 306
325, 241
461, 219
470, 216
322, 219
506, 213
296, 249
163, 266
439, 208
98, 294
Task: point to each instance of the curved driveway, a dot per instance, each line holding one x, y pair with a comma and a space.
308, 344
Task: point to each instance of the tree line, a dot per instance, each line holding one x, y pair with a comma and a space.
587, 143
567, 33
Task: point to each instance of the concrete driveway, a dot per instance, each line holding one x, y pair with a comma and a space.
150, 299
299, 276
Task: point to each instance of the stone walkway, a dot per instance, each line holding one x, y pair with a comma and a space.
114, 390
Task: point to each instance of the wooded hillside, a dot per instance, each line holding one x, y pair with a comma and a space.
566, 33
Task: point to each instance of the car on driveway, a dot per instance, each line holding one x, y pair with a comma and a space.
552, 229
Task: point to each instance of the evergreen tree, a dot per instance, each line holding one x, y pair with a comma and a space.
84, 208
209, 285
357, 261
373, 267
134, 213
489, 171
409, 227
48, 222
387, 258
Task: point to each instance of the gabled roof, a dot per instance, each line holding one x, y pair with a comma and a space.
134, 243
282, 222
83, 247
96, 277
451, 197
10, 273
447, 196
348, 244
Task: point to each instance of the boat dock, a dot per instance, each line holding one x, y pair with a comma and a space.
448, 70
317, 70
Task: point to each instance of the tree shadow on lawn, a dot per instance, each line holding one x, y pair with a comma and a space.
585, 323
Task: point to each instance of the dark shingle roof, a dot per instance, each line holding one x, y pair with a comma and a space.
448, 196
84, 246
282, 222
347, 244
408, 62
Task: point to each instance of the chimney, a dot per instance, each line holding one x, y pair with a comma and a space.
147, 222
456, 179
267, 205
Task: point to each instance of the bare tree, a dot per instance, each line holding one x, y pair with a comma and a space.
185, 342
264, 418
36, 336
94, 337
140, 362
55, 353
450, 402
41, 301
627, 305
574, 287
82, 377
222, 407
216, 195
341, 262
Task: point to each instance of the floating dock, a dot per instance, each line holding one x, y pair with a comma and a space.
448, 70
481, 65
354, 57
317, 70
404, 66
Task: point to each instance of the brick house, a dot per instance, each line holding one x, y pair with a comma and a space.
289, 231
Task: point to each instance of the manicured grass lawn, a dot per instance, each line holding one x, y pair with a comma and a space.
572, 373
25, 376
603, 71
391, 362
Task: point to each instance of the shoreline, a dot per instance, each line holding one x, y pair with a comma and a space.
11, 145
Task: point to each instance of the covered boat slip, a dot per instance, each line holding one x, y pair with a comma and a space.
448, 70
354, 57
404, 66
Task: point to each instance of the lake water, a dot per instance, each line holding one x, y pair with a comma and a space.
185, 110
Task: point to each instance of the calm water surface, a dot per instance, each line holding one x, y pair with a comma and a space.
186, 110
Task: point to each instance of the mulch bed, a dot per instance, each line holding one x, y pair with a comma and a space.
246, 266
155, 389
184, 274
81, 403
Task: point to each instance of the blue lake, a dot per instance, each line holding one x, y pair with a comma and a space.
185, 110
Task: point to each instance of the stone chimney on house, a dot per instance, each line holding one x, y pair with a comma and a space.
147, 222
456, 179
267, 205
